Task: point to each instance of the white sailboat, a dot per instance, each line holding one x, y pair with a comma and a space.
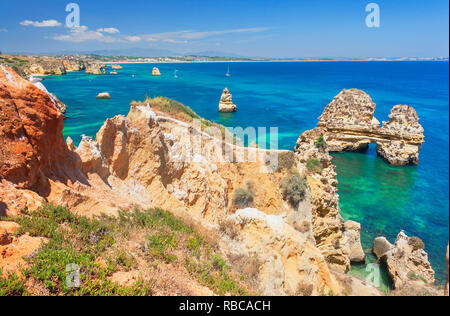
228, 72
175, 74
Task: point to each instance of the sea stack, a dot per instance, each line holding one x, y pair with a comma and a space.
155, 72
103, 95
226, 104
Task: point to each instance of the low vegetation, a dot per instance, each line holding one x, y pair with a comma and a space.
314, 165
14, 62
142, 241
243, 198
293, 188
416, 243
179, 111
320, 142
286, 160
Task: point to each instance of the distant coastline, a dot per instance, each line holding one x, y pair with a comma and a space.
277, 61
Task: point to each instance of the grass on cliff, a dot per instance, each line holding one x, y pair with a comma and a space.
146, 242
180, 112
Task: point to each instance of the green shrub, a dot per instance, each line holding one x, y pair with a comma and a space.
320, 142
314, 165
293, 188
416, 243
243, 198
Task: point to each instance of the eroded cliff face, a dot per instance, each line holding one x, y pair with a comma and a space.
95, 68
348, 124
73, 65
46, 67
32, 148
407, 264
338, 241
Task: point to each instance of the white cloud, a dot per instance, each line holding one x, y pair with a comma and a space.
133, 39
182, 37
3, 30
83, 34
109, 30
45, 23
110, 35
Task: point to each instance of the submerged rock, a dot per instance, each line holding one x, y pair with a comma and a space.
226, 102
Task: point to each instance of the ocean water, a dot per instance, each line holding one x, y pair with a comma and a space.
290, 96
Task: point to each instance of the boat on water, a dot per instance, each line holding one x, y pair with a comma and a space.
175, 74
228, 72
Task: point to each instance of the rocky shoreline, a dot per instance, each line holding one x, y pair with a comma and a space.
146, 160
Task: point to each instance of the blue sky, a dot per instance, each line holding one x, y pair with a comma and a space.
263, 28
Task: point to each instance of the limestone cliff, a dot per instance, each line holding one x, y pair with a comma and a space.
32, 148
338, 241
95, 68
46, 67
73, 65
348, 124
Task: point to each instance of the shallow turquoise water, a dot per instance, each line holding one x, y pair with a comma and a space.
291, 96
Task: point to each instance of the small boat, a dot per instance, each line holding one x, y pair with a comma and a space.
175, 74
228, 72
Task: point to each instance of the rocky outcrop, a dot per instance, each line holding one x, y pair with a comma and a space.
46, 67
156, 72
348, 124
289, 263
226, 102
338, 242
103, 95
61, 106
117, 67
352, 234
446, 282
404, 124
406, 260
73, 65
32, 148
95, 68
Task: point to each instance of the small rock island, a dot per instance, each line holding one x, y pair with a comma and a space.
226, 104
156, 72
103, 95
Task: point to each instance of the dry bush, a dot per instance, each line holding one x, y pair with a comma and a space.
227, 227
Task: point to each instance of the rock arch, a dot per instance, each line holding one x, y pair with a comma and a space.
348, 124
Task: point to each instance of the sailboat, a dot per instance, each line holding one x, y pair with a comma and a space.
175, 74
228, 72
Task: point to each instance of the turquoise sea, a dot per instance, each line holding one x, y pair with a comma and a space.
290, 96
